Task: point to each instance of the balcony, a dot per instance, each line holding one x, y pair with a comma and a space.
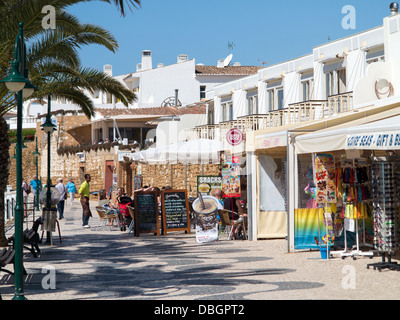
301, 112
27, 123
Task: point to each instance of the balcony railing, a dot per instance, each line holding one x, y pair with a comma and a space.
339, 103
27, 122
301, 112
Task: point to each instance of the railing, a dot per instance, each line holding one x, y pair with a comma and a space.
301, 112
27, 122
9, 206
339, 103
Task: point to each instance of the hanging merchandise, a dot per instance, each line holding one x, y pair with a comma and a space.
324, 177
386, 235
354, 186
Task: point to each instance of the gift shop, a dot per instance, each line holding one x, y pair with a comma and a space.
345, 189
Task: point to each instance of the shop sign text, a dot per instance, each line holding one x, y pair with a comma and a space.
371, 141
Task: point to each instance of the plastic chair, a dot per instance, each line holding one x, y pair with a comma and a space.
132, 224
231, 225
104, 218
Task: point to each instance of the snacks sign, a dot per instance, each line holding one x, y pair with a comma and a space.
207, 184
324, 177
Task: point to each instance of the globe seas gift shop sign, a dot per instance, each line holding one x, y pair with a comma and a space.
375, 140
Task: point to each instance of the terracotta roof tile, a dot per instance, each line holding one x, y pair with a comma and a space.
158, 111
227, 71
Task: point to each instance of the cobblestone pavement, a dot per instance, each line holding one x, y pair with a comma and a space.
95, 264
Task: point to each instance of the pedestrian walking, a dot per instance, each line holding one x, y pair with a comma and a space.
36, 186
26, 189
71, 190
63, 195
84, 192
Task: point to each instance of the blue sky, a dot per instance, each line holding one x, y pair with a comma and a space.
261, 30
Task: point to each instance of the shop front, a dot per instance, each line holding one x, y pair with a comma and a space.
345, 192
268, 169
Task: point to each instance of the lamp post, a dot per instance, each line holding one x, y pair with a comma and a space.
19, 83
48, 127
36, 154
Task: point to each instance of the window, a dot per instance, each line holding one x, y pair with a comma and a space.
275, 98
230, 112
202, 92
227, 111
210, 116
341, 80
329, 84
223, 111
108, 98
306, 90
375, 56
252, 105
280, 98
271, 99
335, 82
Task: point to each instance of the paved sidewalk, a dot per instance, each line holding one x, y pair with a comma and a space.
115, 265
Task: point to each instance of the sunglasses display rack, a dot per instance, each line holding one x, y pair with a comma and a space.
385, 213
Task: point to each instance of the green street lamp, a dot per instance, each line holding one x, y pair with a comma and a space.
36, 154
48, 127
16, 82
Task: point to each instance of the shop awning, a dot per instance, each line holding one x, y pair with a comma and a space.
378, 131
189, 152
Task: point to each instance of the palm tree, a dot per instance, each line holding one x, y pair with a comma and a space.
53, 63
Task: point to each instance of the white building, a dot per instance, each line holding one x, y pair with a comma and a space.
338, 81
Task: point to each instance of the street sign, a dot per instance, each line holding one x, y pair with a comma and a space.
234, 136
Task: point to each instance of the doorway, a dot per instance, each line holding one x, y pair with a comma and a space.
109, 172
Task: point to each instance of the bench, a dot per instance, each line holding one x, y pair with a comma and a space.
6, 257
31, 237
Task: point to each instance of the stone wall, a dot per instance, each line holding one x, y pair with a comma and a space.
28, 164
160, 175
69, 164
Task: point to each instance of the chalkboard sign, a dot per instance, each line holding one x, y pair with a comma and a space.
146, 213
175, 211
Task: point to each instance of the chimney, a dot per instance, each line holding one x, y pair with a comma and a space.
182, 58
108, 69
394, 8
147, 63
220, 63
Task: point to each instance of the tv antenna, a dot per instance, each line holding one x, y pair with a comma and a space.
231, 45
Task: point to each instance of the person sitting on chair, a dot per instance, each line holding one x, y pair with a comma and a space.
236, 213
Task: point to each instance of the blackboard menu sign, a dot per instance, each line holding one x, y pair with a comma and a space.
146, 213
175, 211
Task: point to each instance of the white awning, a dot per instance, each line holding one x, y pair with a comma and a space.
381, 131
194, 152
